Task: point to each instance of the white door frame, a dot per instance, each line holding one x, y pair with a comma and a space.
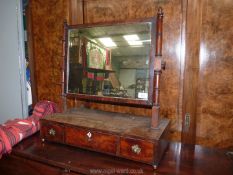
22, 62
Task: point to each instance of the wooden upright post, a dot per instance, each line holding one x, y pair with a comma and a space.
64, 74
191, 69
157, 69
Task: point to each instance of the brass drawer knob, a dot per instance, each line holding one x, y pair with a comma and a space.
52, 132
136, 149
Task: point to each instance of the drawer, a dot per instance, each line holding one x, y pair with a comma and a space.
52, 131
139, 150
93, 140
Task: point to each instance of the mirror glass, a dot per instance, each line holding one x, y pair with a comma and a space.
110, 61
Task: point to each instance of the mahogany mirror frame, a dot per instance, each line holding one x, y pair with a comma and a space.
112, 100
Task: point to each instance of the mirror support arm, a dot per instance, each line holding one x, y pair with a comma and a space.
64, 46
158, 66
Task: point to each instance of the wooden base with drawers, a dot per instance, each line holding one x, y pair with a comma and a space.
116, 134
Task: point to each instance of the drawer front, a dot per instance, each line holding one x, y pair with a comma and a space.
139, 150
52, 131
91, 139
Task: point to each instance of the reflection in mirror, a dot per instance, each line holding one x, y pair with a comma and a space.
110, 61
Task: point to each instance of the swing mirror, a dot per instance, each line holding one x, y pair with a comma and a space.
110, 62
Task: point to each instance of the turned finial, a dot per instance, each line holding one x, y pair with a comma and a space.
160, 12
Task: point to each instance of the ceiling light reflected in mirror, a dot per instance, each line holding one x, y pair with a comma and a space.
107, 42
135, 43
133, 37
133, 40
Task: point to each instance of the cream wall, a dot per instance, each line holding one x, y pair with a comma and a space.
12, 72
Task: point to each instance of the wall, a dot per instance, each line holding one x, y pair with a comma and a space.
127, 77
213, 112
12, 86
215, 93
